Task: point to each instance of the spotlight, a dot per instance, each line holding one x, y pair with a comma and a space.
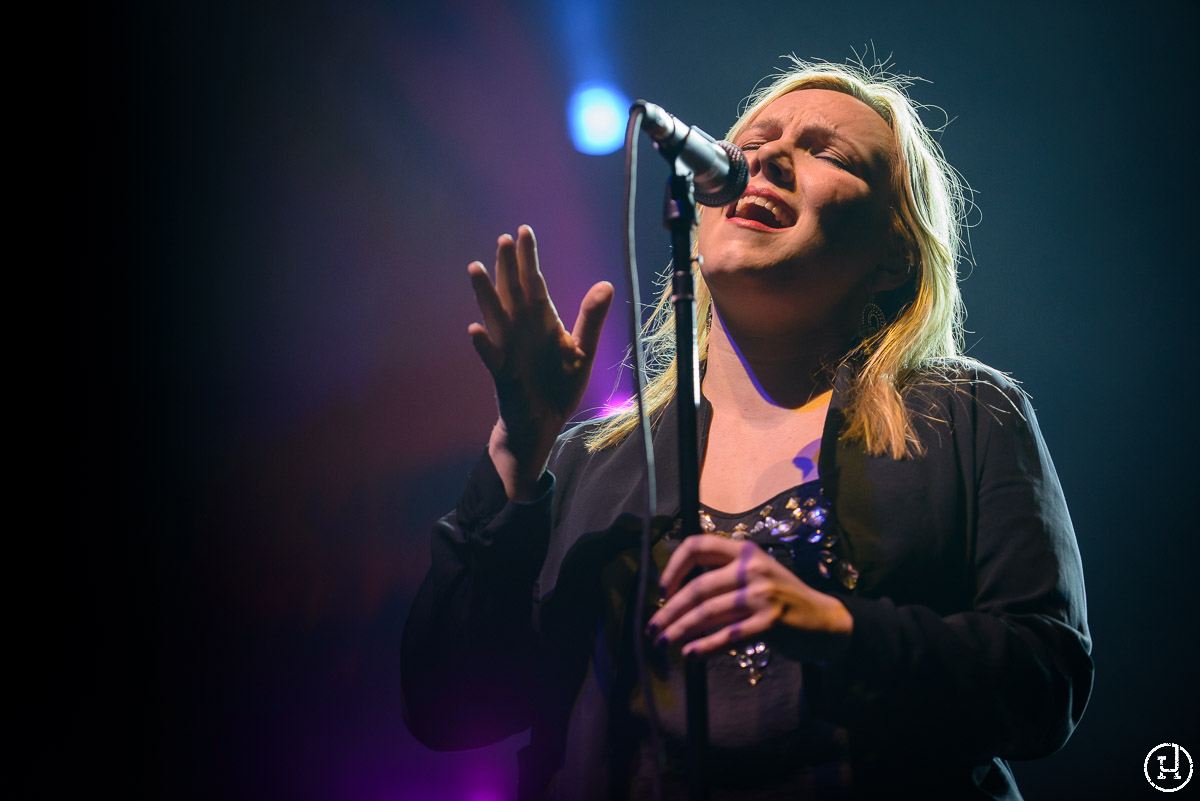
597, 114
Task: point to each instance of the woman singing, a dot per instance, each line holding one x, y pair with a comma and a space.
891, 601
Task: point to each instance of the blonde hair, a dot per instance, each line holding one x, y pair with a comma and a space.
923, 335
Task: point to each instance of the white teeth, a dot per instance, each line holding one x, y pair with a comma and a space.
782, 214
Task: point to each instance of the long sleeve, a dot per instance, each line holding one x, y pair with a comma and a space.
1009, 673
470, 661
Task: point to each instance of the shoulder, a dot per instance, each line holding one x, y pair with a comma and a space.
572, 455
571, 446
970, 406
976, 414
961, 385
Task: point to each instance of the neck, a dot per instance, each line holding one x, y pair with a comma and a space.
767, 376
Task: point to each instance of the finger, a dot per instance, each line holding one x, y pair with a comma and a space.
753, 627
709, 615
508, 279
533, 283
699, 589
590, 321
493, 357
700, 550
494, 316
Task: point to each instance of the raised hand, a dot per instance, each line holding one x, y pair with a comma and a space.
746, 595
540, 369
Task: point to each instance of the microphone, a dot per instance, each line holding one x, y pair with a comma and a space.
719, 169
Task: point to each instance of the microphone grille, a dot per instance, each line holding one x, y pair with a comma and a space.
735, 183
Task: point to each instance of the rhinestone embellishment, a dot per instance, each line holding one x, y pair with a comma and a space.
752, 659
803, 534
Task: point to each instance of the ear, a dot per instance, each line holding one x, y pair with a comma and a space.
897, 267
894, 273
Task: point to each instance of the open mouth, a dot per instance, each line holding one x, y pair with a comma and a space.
763, 210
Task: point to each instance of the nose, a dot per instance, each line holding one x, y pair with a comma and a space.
775, 162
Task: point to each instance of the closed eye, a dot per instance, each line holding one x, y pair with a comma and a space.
833, 160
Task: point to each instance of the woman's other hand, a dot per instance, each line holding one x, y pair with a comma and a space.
746, 595
540, 369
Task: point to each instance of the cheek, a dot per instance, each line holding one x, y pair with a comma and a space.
707, 229
854, 219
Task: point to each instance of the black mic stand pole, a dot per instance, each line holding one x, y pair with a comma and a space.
679, 216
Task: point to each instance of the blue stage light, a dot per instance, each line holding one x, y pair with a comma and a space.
597, 115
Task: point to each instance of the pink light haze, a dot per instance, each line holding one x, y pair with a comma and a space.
616, 405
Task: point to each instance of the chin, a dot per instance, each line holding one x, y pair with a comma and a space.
753, 270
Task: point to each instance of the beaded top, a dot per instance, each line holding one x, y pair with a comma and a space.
793, 530
764, 743
796, 535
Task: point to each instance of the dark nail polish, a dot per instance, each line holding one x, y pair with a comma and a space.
663, 641
652, 629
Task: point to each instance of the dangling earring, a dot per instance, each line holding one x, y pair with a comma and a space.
873, 320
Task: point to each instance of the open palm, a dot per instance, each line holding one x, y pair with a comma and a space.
539, 368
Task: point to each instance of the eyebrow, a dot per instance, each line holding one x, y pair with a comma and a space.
821, 126
817, 124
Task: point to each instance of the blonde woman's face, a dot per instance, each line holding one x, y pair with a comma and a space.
815, 220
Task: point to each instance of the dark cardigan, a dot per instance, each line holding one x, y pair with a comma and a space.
970, 642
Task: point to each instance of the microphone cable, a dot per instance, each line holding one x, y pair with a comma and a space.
636, 113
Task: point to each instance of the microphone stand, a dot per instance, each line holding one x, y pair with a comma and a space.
679, 216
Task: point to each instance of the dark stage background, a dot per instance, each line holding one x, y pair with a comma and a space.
275, 395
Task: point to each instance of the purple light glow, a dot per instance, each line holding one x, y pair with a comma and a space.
616, 405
